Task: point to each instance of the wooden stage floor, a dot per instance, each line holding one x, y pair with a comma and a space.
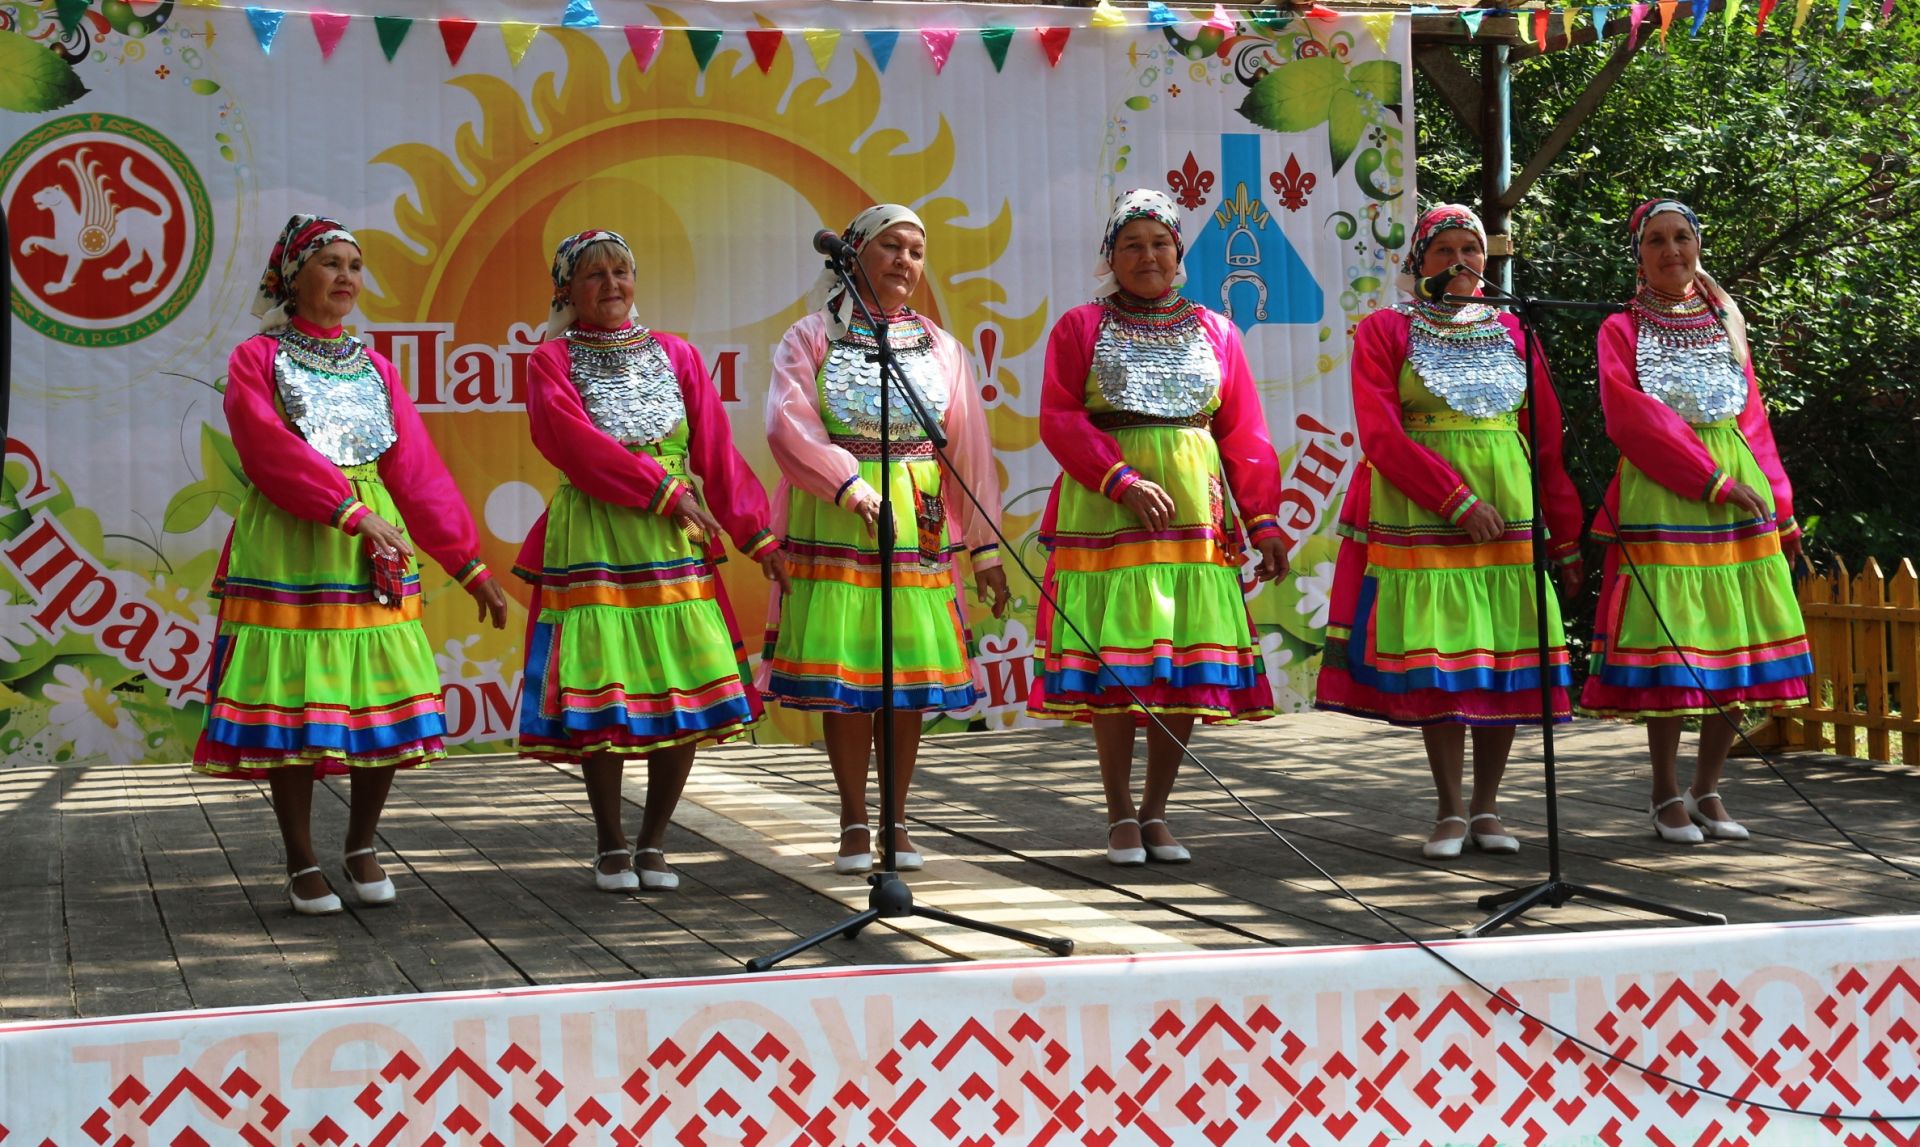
144, 888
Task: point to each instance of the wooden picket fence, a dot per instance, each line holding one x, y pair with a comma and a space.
1865, 633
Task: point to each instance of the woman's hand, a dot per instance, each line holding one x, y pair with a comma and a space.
1573, 575
694, 521
867, 509
1151, 504
385, 537
774, 566
1790, 549
1483, 523
1743, 496
991, 585
492, 601
1273, 560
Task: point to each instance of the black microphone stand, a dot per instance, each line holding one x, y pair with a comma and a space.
6, 328
891, 898
1555, 890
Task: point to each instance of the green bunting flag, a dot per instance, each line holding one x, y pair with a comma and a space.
704, 42
996, 39
391, 30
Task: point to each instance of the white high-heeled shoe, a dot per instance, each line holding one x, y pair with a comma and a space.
1686, 834
621, 881
1124, 857
373, 892
859, 862
1717, 829
907, 861
318, 906
1446, 847
1495, 842
659, 881
1164, 853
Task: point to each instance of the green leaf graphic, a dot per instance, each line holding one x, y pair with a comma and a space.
1377, 78
33, 79
1296, 96
203, 87
1346, 123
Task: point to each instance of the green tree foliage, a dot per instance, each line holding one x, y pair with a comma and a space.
1802, 157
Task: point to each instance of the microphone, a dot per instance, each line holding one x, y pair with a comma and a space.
831, 245
1432, 288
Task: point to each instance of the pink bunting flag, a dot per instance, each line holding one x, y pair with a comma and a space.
939, 43
1637, 15
454, 33
1220, 20
1886, 11
645, 45
1766, 9
1053, 41
765, 43
327, 28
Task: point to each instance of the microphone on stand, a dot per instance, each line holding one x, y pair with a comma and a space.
1433, 288
831, 245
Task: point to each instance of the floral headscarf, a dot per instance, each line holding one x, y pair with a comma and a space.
1446, 217
1730, 315
1643, 214
566, 259
1140, 203
299, 240
869, 223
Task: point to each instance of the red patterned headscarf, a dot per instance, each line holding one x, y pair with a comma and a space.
299, 241
566, 260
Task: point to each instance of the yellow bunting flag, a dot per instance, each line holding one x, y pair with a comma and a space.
1800, 14
518, 38
822, 42
1107, 14
1523, 22
1733, 11
1381, 25
200, 3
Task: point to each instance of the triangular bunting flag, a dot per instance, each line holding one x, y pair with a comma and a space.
880, 42
1840, 21
391, 30
939, 42
1542, 27
644, 43
580, 14
1569, 17
266, 25
1220, 21
1321, 12
454, 33
1381, 25
1636, 14
1766, 9
1800, 11
1600, 14
1108, 15
1159, 15
1471, 17
200, 3
765, 43
1053, 41
1667, 9
518, 37
1733, 12
996, 40
1524, 25
70, 12
704, 42
1701, 9
327, 28
822, 42
1886, 11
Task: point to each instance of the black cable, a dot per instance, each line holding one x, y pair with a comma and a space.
1501, 999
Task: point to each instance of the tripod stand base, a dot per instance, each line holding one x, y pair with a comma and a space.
892, 899
1554, 893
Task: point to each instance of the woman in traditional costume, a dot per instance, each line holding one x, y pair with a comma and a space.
1700, 619
321, 666
823, 424
1151, 411
1433, 617
632, 649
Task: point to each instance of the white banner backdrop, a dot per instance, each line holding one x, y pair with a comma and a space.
157, 146
1301, 1047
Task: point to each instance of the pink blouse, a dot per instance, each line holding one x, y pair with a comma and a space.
300, 480
809, 461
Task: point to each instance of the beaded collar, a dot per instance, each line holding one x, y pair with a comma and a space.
1677, 320
1170, 313
1465, 357
1683, 356
342, 354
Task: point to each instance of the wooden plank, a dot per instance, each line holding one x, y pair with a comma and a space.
33, 940
121, 957
1905, 593
1870, 594
1458, 88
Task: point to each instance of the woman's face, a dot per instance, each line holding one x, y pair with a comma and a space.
1456, 245
602, 289
326, 289
1669, 254
1145, 259
893, 262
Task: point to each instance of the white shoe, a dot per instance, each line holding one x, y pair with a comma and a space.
318, 906
1686, 834
621, 881
1717, 829
907, 861
662, 881
1165, 853
1125, 857
1498, 842
859, 862
1447, 847
374, 892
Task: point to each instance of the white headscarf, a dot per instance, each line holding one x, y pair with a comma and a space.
826, 289
1140, 203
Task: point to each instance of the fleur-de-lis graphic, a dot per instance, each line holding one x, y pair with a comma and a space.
1291, 185
1190, 183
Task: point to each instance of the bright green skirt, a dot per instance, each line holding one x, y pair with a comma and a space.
308, 668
